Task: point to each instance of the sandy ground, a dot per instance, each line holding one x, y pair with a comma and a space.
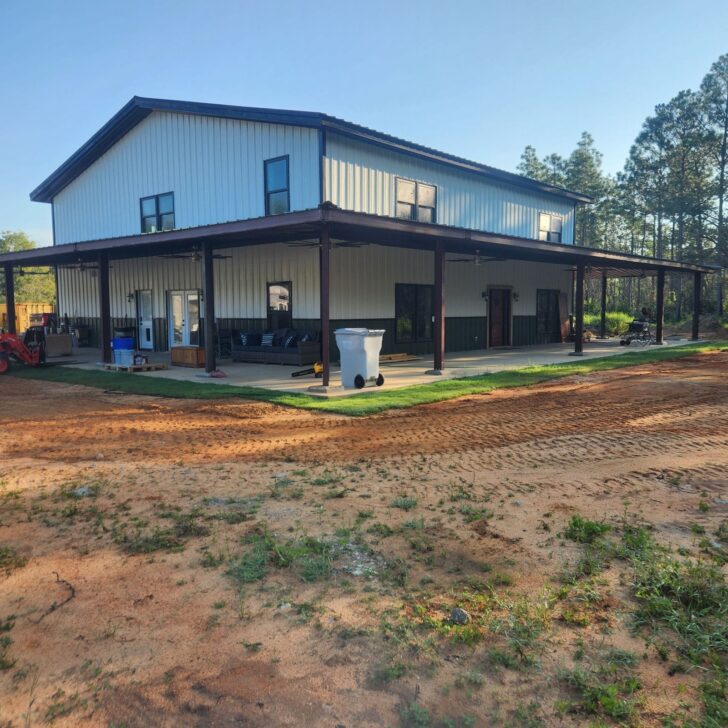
105, 637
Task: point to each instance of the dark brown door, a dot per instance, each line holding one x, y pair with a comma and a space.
499, 318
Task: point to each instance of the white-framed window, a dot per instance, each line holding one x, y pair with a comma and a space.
550, 227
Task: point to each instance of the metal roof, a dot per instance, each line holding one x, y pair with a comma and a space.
352, 227
139, 108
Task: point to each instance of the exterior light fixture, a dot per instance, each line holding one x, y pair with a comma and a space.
515, 295
130, 297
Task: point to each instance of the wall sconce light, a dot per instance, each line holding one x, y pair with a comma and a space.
130, 298
515, 296
484, 294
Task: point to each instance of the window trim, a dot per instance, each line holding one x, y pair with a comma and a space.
549, 232
157, 214
416, 207
286, 189
289, 285
415, 339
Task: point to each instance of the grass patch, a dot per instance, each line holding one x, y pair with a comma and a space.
11, 559
583, 530
309, 557
360, 404
405, 502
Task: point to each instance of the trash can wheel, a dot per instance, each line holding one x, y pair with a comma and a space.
359, 381
380, 380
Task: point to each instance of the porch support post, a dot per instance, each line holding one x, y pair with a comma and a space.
325, 302
10, 297
660, 308
603, 319
579, 313
105, 307
208, 294
697, 284
438, 338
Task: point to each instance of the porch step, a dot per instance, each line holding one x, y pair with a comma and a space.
133, 367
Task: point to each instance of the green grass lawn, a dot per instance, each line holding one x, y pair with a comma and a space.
364, 403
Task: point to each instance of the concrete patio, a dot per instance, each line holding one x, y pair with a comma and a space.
396, 374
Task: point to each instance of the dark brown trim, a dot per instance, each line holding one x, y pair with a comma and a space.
697, 284
603, 312
105, 307
579, 313
208, 294
10, 298
354, 227
324, 301
439, 306
660, 307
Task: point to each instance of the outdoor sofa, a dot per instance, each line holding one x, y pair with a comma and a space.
283, 346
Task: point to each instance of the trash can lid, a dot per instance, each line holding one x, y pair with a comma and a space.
360, 332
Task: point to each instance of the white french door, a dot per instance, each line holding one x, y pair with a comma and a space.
184, 318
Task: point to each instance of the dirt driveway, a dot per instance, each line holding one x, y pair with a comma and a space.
186, 563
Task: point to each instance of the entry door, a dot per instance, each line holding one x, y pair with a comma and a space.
548, 323
145, 323
184, 318
499, 317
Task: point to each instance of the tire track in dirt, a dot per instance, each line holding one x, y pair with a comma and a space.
644, 411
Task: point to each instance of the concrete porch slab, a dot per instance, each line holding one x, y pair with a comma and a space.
396, 374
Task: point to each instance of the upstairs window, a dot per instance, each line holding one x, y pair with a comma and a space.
157, 213
416, 200
277, 193
549, 227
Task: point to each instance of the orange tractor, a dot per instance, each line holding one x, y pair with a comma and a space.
29, 351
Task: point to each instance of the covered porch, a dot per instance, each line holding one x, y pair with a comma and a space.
397, 374
328, 233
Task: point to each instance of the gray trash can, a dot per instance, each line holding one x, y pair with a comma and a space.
359, 349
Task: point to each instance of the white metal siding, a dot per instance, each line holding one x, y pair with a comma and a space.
362, 282
213, 166
361, 177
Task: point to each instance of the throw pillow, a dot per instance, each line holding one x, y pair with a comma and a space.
267, 339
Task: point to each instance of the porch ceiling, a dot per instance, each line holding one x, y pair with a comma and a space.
356, 227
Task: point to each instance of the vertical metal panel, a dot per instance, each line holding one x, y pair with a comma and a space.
361, 177
362, 282
213, 166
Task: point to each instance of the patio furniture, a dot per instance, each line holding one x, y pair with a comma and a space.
283, 346
224, 342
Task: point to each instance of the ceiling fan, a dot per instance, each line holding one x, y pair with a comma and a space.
81, 266
477, 259
195, 255
317, 244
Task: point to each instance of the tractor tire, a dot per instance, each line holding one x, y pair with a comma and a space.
4, 363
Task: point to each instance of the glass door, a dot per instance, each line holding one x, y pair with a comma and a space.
176, 319
193, 318
184, 318
145, 334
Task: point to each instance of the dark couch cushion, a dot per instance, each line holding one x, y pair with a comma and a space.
249, 338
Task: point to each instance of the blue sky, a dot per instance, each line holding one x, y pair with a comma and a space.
478, 79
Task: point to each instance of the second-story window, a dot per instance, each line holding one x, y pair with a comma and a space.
277, 193
416, 200
157, 213
549, 227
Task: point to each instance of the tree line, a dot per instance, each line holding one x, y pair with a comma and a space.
669, 200
35, 285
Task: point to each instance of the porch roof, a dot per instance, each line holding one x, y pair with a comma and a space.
352, 227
